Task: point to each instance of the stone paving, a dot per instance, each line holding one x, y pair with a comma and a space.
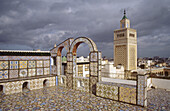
62, 99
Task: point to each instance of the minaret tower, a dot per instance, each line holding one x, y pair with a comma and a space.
125, 45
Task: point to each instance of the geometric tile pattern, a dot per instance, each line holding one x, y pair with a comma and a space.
23, 64
13, 64
31, 72
16, 87
58, 65
69, 67
62, 80
39, 71
31, 64
69, 81
53, 70
23, 73
93, 56
127, 95
39, 63
93, 82
142, 90
3, 64
93, 68
3, 74
107, 91
85, 81
46, 71
13, 73
46, 63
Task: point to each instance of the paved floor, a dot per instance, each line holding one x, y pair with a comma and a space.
61, 99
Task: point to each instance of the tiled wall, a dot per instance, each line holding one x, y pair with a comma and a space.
23, 66
15, 87
62, 80
81, 80
120, 92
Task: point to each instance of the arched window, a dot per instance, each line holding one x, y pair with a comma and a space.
25, 86
45, 83
1, 88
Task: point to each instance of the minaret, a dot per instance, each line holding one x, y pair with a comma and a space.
125, 45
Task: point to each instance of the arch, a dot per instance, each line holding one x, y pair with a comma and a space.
1, 88
25, 86
45, 83
94, 69
79, 40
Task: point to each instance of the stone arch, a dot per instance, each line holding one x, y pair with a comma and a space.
94, 59
56, 53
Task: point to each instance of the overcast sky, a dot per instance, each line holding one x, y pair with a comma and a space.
39, 24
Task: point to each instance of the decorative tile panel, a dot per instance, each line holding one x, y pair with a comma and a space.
93, 81
69, 57
93, 56
69, 80
39, 71
93, 68
23, 73
31, 64
39, 63
31, 72
46, 63
107, 91
142, 90
3, 57
3, 64
127, 95
3, 74
13, 73
85, 82
23, 64
69, 67
46, 71
13, 64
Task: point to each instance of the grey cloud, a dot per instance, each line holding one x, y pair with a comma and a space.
39, 24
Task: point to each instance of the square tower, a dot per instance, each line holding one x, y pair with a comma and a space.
125, 45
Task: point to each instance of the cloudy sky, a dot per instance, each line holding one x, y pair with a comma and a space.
39, 24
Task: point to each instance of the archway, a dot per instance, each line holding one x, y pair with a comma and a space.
25, 86
45, 83
1, 89
94, 59
56, 52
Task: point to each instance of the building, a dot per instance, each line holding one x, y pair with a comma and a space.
24, 70
125, 45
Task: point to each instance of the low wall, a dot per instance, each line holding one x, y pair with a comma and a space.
160, 83
16, 87
116, 91
81, 84
121, 81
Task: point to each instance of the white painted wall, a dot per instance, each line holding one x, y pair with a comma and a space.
161, 83
130, 82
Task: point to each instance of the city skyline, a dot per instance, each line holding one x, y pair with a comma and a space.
28, 25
